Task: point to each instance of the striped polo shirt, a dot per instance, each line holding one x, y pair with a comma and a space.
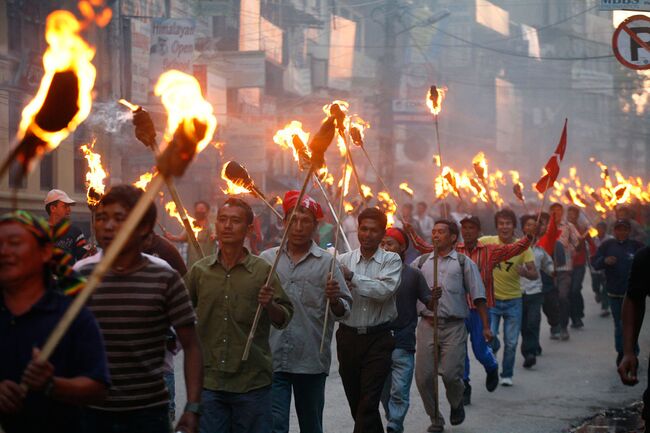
134, 312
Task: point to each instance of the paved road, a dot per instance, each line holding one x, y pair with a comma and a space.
571, 381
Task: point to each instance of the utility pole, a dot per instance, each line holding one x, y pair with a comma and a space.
388, 84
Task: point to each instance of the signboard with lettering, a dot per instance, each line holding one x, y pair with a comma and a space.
629, 5
172, 46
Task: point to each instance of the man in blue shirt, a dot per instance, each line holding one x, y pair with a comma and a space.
615, 257
42, 396
412, 287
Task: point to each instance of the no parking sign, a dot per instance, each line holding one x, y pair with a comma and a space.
631, 42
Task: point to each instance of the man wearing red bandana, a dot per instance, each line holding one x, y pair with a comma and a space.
298, 364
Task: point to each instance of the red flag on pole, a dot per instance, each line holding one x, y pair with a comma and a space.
553, 165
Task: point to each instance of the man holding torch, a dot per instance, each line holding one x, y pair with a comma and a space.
458, 276
136, 303
58, 206
364, 339
226, 289
205, 237
298, 364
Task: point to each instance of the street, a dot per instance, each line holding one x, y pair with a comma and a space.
572, 380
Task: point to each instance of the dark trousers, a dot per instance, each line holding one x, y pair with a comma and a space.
551, 308
153, 420
563, 282
364, 365
576, 301
232, 412
598, 286
530, 323
309, 395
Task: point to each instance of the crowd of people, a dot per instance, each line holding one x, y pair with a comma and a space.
382, 301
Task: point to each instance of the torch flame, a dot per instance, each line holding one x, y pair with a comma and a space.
436, 160
143, 181
95, 175
232, 188
170, 207
407, 189
67, 53
131, 106
480, 165
573, 196
593, 232
386, 201
345, 181
284, 137
435, 96
366, 192
181, 96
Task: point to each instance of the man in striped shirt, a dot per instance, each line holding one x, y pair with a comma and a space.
136, 303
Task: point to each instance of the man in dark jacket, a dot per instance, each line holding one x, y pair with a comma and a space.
413, 287
615, 257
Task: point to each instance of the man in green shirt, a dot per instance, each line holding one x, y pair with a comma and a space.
225, 289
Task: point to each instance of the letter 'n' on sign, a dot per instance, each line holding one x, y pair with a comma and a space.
631, 42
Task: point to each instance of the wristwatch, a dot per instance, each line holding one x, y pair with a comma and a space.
195, 408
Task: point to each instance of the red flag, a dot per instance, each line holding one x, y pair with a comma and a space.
550, 237
553, 165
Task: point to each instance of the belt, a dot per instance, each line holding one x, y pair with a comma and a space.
367, 330
448, 319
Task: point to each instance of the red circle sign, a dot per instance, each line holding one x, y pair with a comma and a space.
629, 47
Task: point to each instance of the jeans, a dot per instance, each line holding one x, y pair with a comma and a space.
150, 420
309, 393
232, 412
510, 311
170, 383
482, 351
616, 304
598, 286
530, 323
563, 279
576, 301
364, 365
397, 389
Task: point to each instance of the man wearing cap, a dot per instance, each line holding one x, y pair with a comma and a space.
412, 287
298, 363
615, 257
58, 206
364, 339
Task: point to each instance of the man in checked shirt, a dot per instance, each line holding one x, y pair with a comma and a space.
486, 258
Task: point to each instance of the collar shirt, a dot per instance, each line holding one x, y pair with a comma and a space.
373, 287
543, 263
569, 238
296, 348
225, 302
456, 282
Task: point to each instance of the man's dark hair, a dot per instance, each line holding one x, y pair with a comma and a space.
545, 216
49, 205
373, 213
203, 202
524, 219
237, 202
573, 209
453, 227
601, 224
505, 214
556, 205
127, 196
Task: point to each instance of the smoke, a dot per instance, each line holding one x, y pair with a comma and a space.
109, 116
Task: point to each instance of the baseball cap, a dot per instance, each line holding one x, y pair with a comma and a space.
622, 222
471, 219
58, 195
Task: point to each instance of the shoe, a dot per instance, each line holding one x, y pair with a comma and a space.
436, 428
538, 352
555, 335
467, 394
530, 361
506, 381
577, 324
457, 416
492, 380
604, 313
564, 335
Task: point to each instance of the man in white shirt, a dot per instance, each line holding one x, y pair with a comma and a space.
364, 339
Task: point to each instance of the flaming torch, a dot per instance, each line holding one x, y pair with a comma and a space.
407, 189
435, 96
317, 146
479, 162
146, 133
191, 128
64, 98
95, 177
239, 182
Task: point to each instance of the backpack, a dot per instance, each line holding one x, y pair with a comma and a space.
461, 261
